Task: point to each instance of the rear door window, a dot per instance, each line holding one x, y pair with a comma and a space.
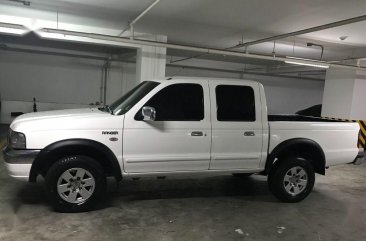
235, 103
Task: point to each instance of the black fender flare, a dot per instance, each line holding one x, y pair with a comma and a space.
285, 145
56, 150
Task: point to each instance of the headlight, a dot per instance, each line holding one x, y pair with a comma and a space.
16, 140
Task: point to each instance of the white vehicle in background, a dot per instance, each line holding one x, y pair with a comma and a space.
172, 127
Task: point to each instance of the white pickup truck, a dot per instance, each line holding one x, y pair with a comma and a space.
171, 127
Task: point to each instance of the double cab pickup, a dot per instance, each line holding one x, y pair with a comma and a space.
175, 126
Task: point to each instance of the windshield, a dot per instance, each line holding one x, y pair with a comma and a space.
127, 101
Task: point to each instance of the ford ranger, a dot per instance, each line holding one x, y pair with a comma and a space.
172, 127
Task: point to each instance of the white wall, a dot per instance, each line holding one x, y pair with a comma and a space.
358, 111
57, 82
344, 94
284, 95
338, 91
65, 82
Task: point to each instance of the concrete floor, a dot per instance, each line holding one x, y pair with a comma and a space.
213, 208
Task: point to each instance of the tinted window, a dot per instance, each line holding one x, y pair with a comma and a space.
178, 102
235, 103
127, 101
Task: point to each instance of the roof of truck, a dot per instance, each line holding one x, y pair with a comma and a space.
205, 78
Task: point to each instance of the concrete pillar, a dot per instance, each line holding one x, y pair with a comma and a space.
151, 61
344, 94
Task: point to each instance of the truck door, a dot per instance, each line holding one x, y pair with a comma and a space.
236, 125
179, 139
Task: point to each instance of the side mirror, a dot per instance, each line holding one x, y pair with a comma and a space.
148, 113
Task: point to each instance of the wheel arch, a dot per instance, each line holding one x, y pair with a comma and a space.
299, 147
96, 150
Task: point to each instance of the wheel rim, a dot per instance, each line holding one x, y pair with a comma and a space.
76, 185
295, 181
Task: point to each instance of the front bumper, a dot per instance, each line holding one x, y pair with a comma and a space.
359, 158
19, 162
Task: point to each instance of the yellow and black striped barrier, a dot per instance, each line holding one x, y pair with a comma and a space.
361, 136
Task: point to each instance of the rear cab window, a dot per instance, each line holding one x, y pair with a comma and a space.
235, 103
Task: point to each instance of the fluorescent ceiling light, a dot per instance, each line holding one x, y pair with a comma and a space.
305, 62
297, 58
83, 37
318, 65
13, 29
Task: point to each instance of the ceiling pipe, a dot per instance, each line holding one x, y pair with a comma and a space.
242, 72
131, 24
5, 47
317, 45
308, 30
139, 42
12, 25
198, 55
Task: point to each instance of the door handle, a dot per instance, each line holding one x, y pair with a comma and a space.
196, 133
249, 133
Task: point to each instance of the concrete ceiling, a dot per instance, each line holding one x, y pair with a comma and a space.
221, 24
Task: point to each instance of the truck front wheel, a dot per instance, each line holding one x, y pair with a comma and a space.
291, 180
75, 183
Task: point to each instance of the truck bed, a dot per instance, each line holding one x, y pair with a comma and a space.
337, 138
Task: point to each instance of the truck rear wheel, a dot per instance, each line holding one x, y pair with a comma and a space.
75, 184
291, 180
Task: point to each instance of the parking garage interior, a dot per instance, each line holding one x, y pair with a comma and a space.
70, 54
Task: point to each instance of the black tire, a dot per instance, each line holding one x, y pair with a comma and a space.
67, 166
298, 189
242, 175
